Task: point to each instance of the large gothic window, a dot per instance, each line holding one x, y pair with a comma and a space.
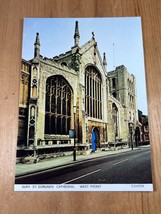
93, 93
58, 106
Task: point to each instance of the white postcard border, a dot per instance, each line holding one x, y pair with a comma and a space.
83, 187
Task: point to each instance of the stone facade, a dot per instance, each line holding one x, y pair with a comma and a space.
23, 102
50, 89
122, 103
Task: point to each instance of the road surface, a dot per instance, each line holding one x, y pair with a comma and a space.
124, 168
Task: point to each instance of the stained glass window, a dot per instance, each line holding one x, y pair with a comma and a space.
93, 93
58, 106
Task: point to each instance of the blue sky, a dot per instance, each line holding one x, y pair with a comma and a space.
56, 37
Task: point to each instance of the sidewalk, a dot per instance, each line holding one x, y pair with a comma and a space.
24, 169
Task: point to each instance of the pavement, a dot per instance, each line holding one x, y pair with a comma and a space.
25, 169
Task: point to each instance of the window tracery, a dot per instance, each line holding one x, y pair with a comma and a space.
58, 106
93, 93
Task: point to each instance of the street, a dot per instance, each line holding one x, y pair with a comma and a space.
125, 168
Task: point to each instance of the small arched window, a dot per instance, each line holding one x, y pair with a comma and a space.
113, 83
114, 94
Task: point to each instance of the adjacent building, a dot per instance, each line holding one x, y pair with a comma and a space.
144, 129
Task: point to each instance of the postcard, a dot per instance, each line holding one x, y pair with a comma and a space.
83, 119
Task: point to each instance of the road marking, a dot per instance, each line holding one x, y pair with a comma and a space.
120, 162
141, 154
82, 176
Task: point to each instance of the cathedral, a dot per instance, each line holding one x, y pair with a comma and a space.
74, 91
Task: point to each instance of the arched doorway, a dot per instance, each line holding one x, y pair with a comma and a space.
95, 139
115, 120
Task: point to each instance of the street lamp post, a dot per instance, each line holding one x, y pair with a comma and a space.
130, 130
74, 149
